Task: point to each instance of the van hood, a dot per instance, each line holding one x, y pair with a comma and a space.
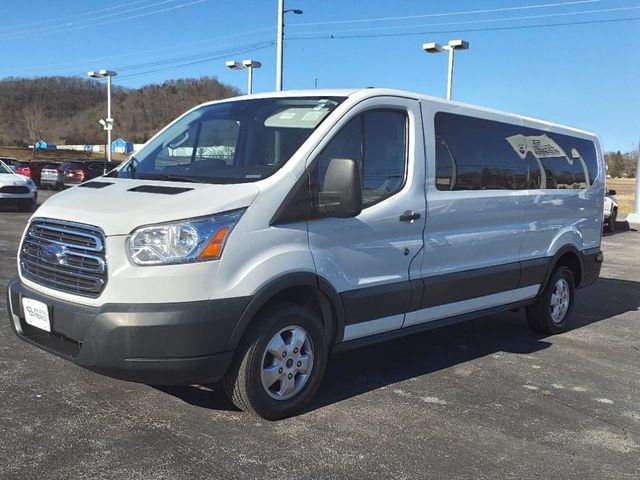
119, 205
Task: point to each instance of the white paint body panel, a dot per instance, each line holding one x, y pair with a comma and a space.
368, 250
459, 230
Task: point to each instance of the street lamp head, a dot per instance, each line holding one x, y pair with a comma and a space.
102, 122
233, 65
251, 64
459, 44
102, 73
432, 47
295, 11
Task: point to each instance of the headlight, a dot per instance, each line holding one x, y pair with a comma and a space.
185, 241
31, 184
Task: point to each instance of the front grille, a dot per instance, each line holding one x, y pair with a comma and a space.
65, 256
14, 189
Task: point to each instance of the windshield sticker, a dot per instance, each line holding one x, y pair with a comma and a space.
297, 117
312, 116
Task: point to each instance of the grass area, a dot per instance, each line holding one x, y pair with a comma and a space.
625, 193
25, 154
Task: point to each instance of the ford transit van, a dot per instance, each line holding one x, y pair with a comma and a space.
255, 236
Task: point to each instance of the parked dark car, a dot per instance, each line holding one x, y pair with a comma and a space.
74, 173
36, 171
10, 162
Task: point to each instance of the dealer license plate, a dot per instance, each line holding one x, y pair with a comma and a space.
36, 314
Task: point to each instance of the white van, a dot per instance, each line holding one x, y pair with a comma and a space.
254, 236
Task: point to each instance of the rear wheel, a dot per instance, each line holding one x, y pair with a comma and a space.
552, 311
280, 365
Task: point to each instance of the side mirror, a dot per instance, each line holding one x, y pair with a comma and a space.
341, 194
611, 192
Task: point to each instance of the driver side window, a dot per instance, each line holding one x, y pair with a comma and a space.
377, 140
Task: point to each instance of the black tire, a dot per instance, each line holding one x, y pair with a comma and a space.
610, 226
542, 316
25, 205
243, 382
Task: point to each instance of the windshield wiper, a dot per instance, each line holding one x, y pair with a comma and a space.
131, 167
170, 178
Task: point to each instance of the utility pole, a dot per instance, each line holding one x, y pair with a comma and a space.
279, 45
635, 216
280, 41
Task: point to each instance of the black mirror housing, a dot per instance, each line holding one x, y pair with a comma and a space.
611, 192
341, 194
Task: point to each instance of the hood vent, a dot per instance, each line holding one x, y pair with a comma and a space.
160, 189
95, 184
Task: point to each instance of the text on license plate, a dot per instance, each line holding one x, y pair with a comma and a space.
36, 314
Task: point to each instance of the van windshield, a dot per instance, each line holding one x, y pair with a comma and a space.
232, 142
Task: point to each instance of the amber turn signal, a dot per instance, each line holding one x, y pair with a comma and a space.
214, 248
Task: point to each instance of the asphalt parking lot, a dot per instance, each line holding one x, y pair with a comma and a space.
482, 400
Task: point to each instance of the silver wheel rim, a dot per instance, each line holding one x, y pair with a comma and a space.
287, 363
560, 299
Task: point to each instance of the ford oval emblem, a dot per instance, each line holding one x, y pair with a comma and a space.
54, 254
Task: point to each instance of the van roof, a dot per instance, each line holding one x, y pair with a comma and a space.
368, 92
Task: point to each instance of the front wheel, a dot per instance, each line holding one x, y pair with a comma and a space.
25, 205
280, 364
610, 226
552, 311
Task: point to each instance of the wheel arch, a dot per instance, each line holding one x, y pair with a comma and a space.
302, 287
570, 257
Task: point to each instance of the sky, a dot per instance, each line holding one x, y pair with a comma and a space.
574, 62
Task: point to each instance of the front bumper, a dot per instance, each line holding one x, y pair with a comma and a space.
12, 198
158, 344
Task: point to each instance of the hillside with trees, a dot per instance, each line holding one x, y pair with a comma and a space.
621, 164
66, 110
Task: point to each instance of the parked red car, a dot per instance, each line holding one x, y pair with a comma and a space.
22, 168
74, 173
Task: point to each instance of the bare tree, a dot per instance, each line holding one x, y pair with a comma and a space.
34, 120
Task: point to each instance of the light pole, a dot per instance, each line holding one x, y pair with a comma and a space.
451, 47
249, 65
280, 40
107, 123
635, 216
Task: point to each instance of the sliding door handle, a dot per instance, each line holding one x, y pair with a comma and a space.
409, 216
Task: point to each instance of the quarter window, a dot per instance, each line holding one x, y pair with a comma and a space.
478, 154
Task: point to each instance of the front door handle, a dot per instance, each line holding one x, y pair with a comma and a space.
409, 216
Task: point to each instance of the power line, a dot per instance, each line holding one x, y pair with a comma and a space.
77, 15
246, 49
93, 24
166, 48
489, 29
183, 58
486, 20
446, 14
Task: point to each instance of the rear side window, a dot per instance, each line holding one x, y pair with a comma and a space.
377, 140
71, 165
478, 154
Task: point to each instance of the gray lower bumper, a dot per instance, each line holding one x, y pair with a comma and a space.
162, 344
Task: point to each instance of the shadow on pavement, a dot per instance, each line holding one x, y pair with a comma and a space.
362, 370
620, 227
